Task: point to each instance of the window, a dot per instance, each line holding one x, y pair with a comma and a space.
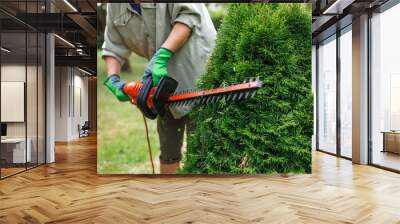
22, 76
346, 92
314, 85
385, 89
327, 95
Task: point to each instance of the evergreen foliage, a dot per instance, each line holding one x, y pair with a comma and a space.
271, 132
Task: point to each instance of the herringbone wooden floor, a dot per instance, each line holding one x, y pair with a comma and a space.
70, 191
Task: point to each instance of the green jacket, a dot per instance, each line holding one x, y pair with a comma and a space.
127, 31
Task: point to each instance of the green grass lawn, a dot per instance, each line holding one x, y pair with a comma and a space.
122, 145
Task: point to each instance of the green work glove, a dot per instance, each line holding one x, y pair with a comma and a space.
157, 66
116, 85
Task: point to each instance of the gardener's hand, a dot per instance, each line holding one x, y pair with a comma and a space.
157, 66
116, 85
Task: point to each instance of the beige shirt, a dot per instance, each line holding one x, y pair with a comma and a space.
127, 31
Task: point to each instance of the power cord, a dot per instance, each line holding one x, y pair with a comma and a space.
148, 144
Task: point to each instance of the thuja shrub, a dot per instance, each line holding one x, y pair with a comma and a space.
270, 133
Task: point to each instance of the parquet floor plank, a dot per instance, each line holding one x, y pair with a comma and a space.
70, 191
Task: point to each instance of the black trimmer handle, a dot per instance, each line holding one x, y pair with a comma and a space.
142, 98
165, 88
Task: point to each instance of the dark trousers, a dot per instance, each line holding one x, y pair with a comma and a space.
171, 132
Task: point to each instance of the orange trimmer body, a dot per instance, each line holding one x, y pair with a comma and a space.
132, 89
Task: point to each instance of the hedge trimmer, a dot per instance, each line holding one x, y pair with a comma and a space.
153, 101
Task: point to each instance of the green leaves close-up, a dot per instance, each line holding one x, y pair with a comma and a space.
270, 133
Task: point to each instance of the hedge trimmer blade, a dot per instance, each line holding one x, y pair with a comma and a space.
245, 90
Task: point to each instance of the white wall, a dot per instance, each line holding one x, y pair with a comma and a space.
33, 126
80, 100
61, 103
71, 102
17, 73
10, 73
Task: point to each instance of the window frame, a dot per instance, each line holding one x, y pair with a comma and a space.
338, 34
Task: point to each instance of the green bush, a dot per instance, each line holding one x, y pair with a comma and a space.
271, 132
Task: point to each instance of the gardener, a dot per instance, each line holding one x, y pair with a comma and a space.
177, 38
